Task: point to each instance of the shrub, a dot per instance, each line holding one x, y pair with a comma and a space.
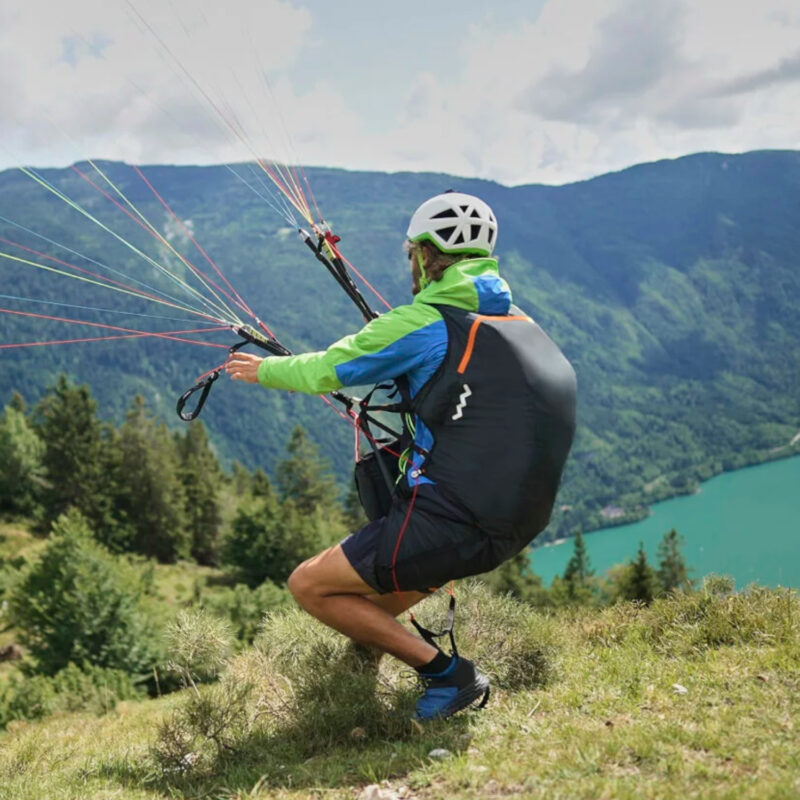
26, 698
245, 608
305, 684
80, 604
199, 646
91, 689
268, 538
511, 641
687, 623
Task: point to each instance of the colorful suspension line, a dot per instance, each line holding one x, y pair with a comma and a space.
145, 224
100, 310
175, 336
214, 310
132, 282
134, 332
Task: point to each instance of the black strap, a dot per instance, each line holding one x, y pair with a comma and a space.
339, 272
268, 342
203, 386
252, 336
364, 420
429, 636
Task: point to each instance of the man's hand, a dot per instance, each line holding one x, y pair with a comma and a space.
243, 367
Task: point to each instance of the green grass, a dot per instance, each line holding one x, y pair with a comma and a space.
584, 706
17, 540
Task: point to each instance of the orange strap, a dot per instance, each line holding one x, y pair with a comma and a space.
473, 332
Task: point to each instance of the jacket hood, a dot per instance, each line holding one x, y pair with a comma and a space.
473, 284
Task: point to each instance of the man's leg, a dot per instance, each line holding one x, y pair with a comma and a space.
330, 589
397, 602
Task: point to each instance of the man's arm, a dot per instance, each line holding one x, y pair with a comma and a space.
386, 347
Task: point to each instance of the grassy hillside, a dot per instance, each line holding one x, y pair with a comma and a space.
673, 287
695, 696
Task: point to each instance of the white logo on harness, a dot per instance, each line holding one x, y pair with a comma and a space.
462, 402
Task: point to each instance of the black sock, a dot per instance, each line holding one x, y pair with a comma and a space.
439, 664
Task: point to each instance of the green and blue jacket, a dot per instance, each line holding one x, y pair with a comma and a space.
409, 340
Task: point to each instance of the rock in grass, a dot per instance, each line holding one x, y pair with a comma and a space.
375, 792
678, 689
440, 753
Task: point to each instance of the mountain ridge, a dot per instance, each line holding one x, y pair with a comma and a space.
672, 286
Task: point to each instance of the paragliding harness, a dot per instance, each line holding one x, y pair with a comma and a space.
378, 473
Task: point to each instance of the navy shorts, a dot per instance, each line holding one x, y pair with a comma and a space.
440, 542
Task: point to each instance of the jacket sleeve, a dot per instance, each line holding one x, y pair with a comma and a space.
386, 347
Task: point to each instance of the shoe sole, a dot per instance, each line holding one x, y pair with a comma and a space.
466, 697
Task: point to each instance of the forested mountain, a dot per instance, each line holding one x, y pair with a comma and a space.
673, 287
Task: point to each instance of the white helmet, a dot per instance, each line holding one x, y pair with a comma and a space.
455, 223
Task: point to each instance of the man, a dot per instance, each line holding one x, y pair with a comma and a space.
493, 402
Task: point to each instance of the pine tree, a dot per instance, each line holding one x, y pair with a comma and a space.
578, 572
21, 469
305, 478
578, 568
201, 476
151, 492
641, 582
240, 479
18, 403
672, 570
78, 456
261, 485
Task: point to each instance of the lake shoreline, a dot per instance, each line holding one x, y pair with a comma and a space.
744, 523
767, 457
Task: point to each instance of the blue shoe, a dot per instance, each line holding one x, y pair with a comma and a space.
460, 685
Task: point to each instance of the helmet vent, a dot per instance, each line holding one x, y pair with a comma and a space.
446, 233
464, 208
475, 214
491, 235
475, 232
448, 212
459, 238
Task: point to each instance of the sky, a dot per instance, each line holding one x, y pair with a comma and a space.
542, 91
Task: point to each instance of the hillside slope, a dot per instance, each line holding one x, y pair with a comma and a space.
673, 287
693, 697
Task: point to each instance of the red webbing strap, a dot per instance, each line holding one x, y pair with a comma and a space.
400, 538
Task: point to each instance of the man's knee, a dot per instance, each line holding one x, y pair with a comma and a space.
301, 583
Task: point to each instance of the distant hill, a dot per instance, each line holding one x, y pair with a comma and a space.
673, 287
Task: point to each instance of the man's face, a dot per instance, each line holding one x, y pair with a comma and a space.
416, 273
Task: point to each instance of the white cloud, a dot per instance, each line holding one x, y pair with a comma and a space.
84, 78
593, 86
588, 86
596, 86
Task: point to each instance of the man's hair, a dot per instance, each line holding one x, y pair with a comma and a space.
436, 262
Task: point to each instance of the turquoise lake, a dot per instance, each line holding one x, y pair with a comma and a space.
744, 523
